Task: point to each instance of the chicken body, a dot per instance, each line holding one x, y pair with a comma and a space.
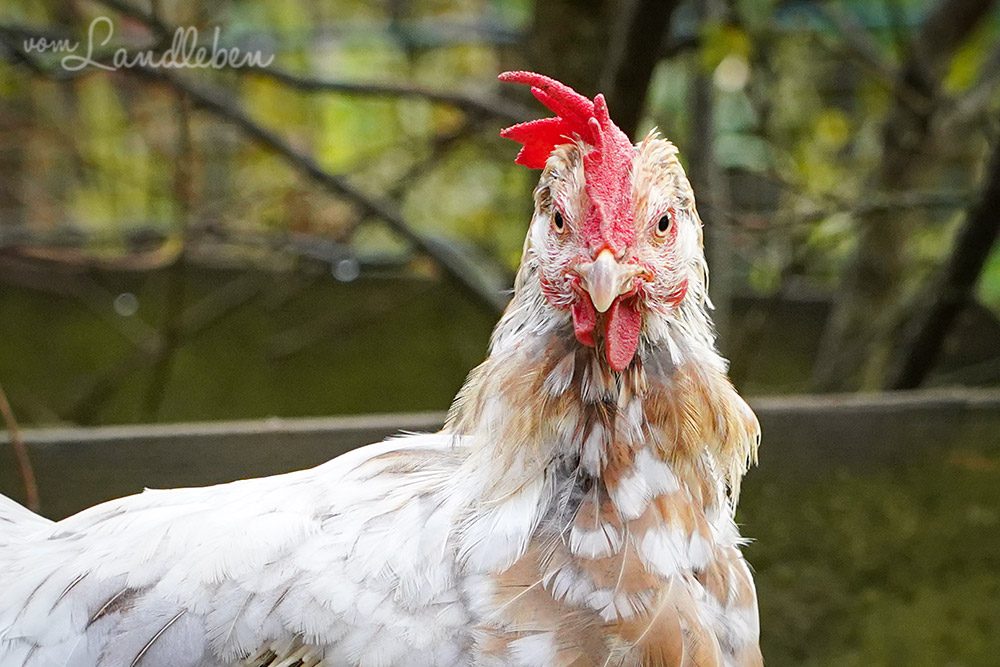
577, 508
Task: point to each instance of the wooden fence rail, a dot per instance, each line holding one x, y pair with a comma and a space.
803, 435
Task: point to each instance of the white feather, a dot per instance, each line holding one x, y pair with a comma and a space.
534, 650
351, 561
601, 542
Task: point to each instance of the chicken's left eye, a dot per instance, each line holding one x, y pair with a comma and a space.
557, 221
663, 225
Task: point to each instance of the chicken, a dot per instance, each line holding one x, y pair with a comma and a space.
576, 509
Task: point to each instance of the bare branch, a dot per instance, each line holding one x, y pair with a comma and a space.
495, 107
453, 263
31, 496
197, 318
707, 178
857, 340
857, 40
974, 105
505, 110
150, 19
440, 145
897, 26
953, 291
945, 28
176, 287
635, 50
216, 101
487, 106
332, 325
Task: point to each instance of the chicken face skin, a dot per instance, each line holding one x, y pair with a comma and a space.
617, 296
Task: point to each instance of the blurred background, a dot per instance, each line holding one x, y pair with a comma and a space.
329, 228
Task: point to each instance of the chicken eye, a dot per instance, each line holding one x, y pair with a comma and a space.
557, 221
663, 225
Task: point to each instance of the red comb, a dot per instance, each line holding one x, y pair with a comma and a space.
607, 167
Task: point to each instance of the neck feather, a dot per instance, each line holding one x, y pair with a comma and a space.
554, 428
541, 400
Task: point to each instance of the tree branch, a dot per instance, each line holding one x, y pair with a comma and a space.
635, 50
195, 319
952, 292
176, 284
495, 107
866, 318
857, 40
32, 499
486, 106
973, 105
454, 264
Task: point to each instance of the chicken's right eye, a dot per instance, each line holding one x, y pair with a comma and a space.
558, 222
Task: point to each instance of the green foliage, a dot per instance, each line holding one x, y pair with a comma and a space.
989, 283
972, 59
792, 105
721, 40
130, 152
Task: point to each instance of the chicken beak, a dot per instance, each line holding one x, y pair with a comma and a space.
605, 279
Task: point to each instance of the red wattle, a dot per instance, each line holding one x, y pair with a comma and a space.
621, 335
584, 321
